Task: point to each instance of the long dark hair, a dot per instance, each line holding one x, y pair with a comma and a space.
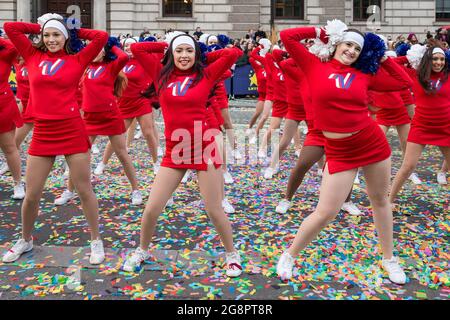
169, 65
426, 66
41, 45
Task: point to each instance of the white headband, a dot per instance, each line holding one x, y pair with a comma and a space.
182, 40
438, 50
354, 37
390, 53
212, 38
57, 25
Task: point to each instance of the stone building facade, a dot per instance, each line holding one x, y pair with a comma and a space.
236, 17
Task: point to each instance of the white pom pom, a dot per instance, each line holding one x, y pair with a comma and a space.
415, 55
335, 31
267, 44
203, 38
45, 17
169, 36
321, 50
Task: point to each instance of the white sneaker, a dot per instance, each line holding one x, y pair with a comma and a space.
65, 197
233, 261
262, 154
138, 134
19, 191
442, 178
415, 179
283, 206
95, 149
170, 202
17, 250
160, 152
136, 198
252, 140
186, 176
227, 206
227, 177
395, 271
97, 252
357, 181
135, 260
305, 131
156, 167
4, 169
99, 169
351, 208
285, 266
236, 154
297, 153
270, 172
248, 132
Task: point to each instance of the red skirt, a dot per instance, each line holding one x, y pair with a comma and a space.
361, 149
107, 123
393, 117
424, 134
314, 137
59, 137
279, 109
296, 112
186, 155
134, 107
25, 115
9, 113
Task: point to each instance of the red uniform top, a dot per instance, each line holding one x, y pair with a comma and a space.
264, 62
431, 109
54, 77
138, 79
294, 79
7, 56
183, 105
98, 83
340, 92
260, 74
277, 74
23, 84
220, 90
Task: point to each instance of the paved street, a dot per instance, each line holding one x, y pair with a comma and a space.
342, 263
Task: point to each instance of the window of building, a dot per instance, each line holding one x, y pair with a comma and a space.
289, 9
443, 10
177, 8
360, 9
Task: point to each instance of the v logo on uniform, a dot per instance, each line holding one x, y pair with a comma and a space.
129, 69
51, 68
95, 73
179, 88
436, 84
343, 82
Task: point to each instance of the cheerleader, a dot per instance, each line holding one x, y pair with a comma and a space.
184, 86
261, 79
338, 90
10, 118
431, 123
133, 104
54, 74
102, 83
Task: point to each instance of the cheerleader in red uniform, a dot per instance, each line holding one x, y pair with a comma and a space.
134, 105
184, 86
10, 118
54, 73
101, 85
431, 122
339, 94
261, 79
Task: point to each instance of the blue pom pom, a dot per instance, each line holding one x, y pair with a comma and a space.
75, 43
214, 47
203, 50
370, 58
1, 32
148, 39
402, 49
112, 42
223, 40
447, 57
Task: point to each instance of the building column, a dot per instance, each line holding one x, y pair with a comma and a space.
23, 10
99, 14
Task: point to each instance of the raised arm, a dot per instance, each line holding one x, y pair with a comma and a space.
390, 77
121, 61
255, 55
227, 57
17, 31
9, 52
291, 39
147, 53
278, 55
98, 40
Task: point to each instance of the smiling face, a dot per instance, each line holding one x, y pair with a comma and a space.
347, 52
438, 62
54, 39
127, 48
184, 56
212, 41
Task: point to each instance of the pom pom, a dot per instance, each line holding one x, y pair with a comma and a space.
267, 44
223, 40
75, 43
45, 17
169, 36
335, 31
402, 49
1, 32
203, 50
447, 57
73, 23
371, 55
112, 42
203, 38
321, 50
415, 55
149, 39
214, 47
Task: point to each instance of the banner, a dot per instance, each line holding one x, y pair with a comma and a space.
243, 82
12, 80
